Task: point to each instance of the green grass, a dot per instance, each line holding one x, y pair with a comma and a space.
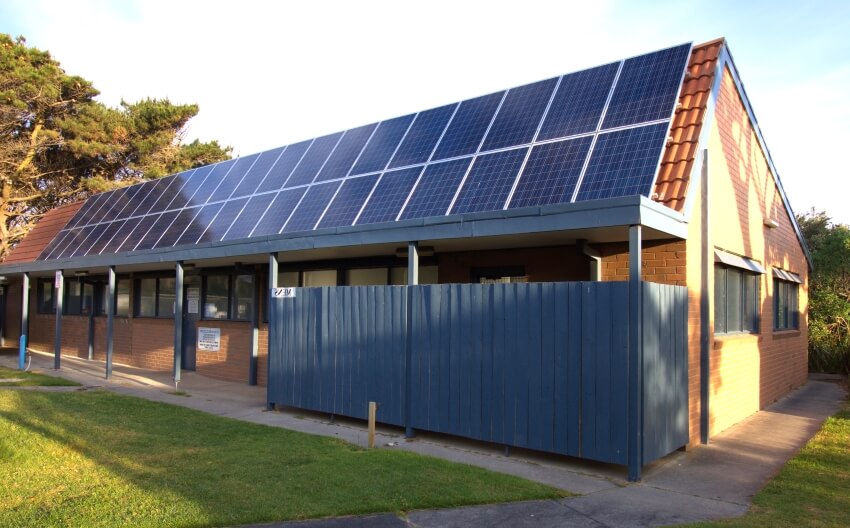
28, 379
101, 459
813, 489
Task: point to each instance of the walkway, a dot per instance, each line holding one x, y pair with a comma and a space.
708, 482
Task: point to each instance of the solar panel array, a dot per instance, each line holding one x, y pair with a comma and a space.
597, 133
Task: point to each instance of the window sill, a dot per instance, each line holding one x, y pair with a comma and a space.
719, 339
791, 332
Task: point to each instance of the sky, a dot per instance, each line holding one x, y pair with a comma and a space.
266, 74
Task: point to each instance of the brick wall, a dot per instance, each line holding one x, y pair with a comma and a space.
749, 372
232, 361
664, 261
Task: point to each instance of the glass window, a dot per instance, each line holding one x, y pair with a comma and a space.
87, 301
786, 314
122, 297
366, 277
320, 278
147, 297
243, 297
46, 302
72, 297
287, 279
427, 275
736, 300
166, 298
216, 296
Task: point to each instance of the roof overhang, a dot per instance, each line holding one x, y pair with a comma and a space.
596, 221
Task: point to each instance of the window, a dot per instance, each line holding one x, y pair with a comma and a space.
45, 302
122, 298
156, 297
785, 307
229, 297
320, 278
79, 297
427, 275
736, 298
366, 277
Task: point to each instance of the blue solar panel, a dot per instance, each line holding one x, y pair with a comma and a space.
72, 238
389, 195
199, 224
191, 184
153, 195
142, 190
53, 244
384, 142
84, 239
520, 114
258, 172
281, 170
233, 178
157, 229
177, 227
108, 231
85, 213
623, 163
346, 153
468, 126
173, 189
489, 182
105, 213
218, 227
312, 162
213, 179
115, 243
578, 104
311, 207
141, 229
348, 201
435, 189
422, 137
647, 87
248, 218
551, 173
278, 212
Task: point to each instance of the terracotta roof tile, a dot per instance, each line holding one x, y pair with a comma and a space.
671, 186
42, 234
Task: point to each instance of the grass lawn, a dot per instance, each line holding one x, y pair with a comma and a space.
101, 459
30, 379
813, 489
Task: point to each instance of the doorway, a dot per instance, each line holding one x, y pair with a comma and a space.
191, 314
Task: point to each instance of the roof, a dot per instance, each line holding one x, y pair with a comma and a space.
44, 231
671, 185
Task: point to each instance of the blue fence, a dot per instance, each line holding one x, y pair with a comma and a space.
540, 365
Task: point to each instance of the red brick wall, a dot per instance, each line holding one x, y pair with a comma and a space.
664, 261
232, 362
749, 372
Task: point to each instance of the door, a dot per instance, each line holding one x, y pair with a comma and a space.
191, 314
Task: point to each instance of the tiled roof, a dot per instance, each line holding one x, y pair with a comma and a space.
671, 186
35, 241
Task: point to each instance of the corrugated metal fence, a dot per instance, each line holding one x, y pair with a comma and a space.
538, 365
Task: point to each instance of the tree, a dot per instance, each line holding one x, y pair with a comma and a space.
58, 144
829, 292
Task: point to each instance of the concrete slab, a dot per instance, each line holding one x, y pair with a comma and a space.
536, 514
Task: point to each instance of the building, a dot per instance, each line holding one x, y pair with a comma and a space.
602, 265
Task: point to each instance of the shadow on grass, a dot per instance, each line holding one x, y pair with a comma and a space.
100, 459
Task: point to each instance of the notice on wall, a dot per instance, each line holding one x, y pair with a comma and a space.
285, 293
57, 281
209, 339
193, 300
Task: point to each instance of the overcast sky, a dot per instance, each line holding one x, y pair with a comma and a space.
266, 74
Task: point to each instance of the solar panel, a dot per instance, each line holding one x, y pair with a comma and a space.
312, 162
623, 163
523, 147
388, 196
383, 144
348, 201
551, 173
346, 153
468, 126
489, 182
435, 189
278, 212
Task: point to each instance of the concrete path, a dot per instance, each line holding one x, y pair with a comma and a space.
708, 482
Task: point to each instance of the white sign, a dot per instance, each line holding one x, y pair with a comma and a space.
285, 293
193, 300
209, 339
57, 283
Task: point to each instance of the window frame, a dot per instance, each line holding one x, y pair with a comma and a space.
786, 305
39, 297
747, 289
232, 297
136, 300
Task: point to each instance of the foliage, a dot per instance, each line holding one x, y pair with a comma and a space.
829, 293
99, 459
813, 489
58, 144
